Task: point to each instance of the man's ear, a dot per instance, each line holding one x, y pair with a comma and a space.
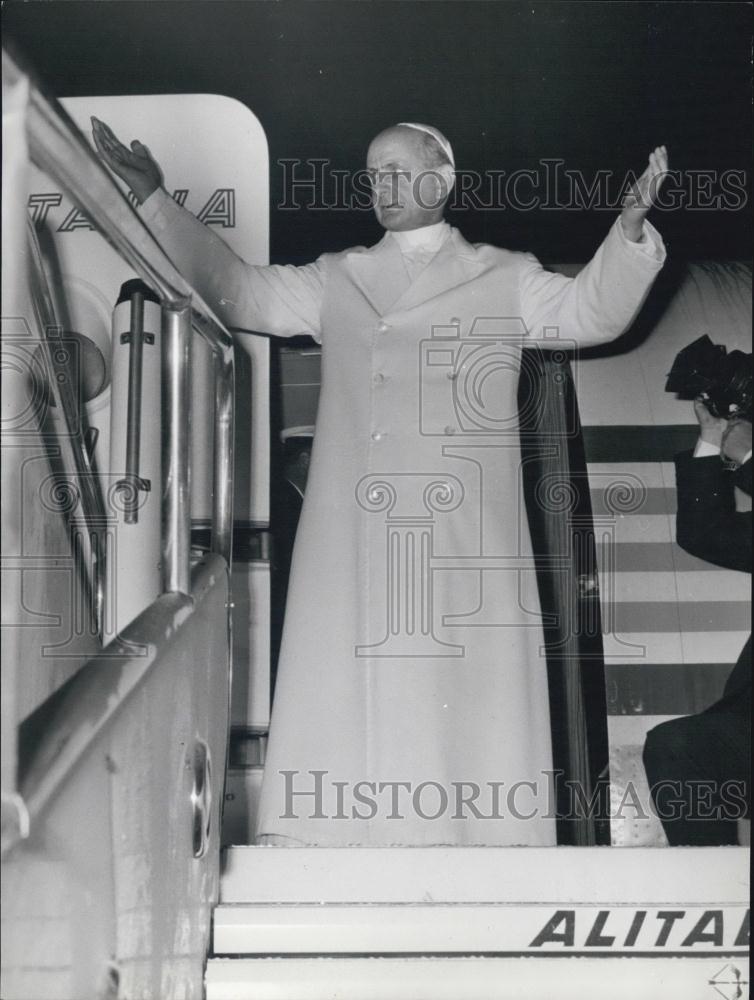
447, 178
433, 185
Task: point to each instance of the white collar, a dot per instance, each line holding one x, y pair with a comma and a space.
425, 238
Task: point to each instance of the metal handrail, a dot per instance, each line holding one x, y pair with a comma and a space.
70, 438
57, 146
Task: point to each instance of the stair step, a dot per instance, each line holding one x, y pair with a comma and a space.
492, 929
472, 978
594, 876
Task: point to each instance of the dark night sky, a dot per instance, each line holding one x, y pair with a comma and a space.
594, 84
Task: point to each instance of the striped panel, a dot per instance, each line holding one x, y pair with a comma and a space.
669, 647
674, 624
637, 648
642, 647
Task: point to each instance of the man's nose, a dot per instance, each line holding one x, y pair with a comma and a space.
386, 187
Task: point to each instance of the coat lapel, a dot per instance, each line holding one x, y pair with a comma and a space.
379, 273
381, 276
455, 263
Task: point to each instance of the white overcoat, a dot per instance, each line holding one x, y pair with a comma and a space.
411, 704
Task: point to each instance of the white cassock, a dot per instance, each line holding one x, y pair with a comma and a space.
412, 704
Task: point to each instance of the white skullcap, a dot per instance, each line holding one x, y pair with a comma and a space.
439, 138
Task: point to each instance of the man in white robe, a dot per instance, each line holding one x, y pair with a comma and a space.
411, 704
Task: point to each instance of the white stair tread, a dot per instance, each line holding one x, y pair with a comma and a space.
592, 875
473, 978
471, 929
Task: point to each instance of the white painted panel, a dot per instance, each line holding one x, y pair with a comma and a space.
653, 475
715, 585
472, 979
465, 929
641, 528
613, 391
690, 585
674, 647
712, 647
593, 875
639, 647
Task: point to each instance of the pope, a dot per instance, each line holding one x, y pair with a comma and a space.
411, 657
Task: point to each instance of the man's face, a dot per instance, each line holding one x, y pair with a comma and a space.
407, 191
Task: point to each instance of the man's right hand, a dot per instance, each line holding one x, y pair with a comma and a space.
737, 440
135, 166
711, 428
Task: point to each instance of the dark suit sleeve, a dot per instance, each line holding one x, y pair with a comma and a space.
707, 523
742, 478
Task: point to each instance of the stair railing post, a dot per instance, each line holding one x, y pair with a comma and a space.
176, 440
222, 487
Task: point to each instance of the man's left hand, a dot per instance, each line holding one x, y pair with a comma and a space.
643, 194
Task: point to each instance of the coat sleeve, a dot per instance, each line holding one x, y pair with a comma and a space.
742, 477
707, 523
602, 300
280, 300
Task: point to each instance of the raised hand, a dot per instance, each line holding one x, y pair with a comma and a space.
711, 428
135, 166
736, 444
643, 194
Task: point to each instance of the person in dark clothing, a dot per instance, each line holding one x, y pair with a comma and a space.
287, 495
699, 766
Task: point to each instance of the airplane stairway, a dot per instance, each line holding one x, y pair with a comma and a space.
479, 924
